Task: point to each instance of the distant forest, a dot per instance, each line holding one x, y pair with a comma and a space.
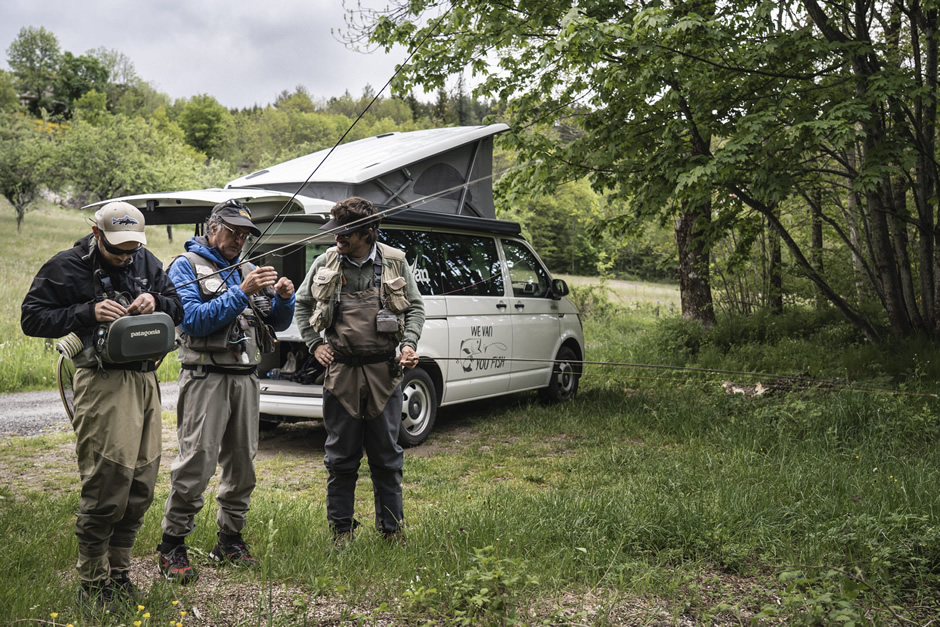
86, 127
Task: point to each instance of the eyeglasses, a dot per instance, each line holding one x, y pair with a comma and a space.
114, 250
238, 235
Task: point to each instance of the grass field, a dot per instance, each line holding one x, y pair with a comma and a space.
28, 363
654, 498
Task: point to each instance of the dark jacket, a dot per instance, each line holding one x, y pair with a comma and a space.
62, 297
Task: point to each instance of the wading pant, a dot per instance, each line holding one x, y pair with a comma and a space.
345, 438
117, 431
216, 423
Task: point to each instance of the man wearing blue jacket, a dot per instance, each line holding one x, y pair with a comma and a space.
229, 307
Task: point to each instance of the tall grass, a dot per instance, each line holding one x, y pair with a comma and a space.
28, 363
653, 498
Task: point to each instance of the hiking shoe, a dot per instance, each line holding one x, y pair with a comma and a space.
174, 564
235, 552
124, 591
342, 539
96, 596
394, 537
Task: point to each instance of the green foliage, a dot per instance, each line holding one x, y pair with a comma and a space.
593, 300
76, 76
758, 110
122, 156
91, 107
34, 59
824, 597
206, 124
26, 161
9, 101
487, 591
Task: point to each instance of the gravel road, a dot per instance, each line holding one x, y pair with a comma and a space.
33, 413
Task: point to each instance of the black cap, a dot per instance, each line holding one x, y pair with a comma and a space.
235, 213
336, 228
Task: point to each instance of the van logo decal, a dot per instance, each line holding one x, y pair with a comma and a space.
421, 275
475, 355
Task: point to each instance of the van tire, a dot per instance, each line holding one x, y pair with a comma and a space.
566, 374
418, 408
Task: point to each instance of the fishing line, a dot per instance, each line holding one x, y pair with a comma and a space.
801, 379
401, 67
353, 223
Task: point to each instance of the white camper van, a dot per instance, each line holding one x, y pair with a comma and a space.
496, 321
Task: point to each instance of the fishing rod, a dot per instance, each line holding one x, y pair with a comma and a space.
325, 234
278, 216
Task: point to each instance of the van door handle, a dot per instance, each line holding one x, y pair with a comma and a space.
520, 305
501, 305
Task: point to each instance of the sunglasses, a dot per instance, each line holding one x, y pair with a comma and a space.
114, 250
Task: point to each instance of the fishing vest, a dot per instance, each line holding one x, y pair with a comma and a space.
238, 344
325, 287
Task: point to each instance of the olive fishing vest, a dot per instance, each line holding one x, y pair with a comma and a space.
365, 372
325, 287
238, 343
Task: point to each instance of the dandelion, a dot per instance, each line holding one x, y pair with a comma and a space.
468, 497
140, 608
179, 624
53, 614
174, 602
136, 623
146, 614
182, 612
70, 625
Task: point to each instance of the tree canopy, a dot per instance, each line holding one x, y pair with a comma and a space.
814, 123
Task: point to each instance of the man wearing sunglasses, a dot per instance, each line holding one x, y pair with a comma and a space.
230, 306
105, 276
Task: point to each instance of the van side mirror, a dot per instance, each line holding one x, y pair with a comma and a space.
559, 288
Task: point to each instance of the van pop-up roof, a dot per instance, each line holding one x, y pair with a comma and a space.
454, 165
443, 170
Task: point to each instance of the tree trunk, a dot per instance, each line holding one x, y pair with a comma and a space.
694, 286
900, 239
816, 251
775, 271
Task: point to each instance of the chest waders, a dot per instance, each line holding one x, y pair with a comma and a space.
364, 374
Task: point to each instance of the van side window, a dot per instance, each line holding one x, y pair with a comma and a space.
469, 265
448, 264
529, 278
421, 252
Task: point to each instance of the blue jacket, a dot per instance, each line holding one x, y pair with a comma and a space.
202, 318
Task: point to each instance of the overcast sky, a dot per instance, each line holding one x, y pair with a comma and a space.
241, 52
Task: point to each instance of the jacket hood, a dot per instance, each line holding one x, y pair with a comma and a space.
200, 245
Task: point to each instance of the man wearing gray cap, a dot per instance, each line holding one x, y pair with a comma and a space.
229, 306
106, 276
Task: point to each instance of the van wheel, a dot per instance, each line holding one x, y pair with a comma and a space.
565, 377
418, 407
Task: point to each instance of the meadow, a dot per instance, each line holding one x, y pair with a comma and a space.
654, 497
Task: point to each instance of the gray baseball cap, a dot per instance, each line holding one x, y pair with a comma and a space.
121, 222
